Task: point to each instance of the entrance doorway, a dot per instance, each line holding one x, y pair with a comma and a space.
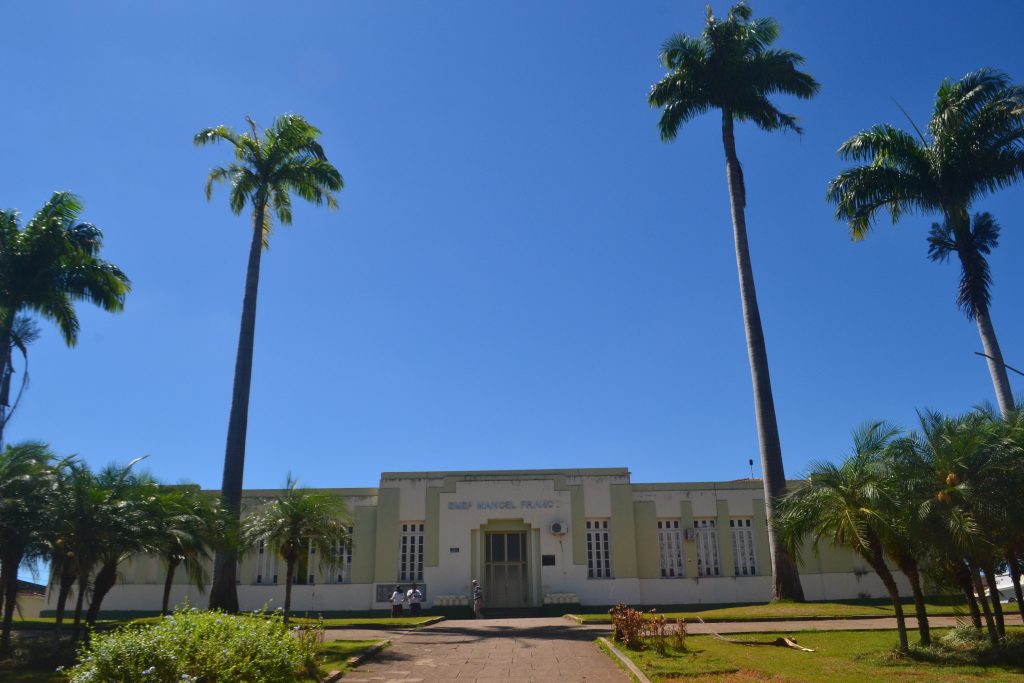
505, 573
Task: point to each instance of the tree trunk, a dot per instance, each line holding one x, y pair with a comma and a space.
5, 369
979, 589
1000, 379
9, 564
172, 564
910, 570
993, 594
223, 591
785, 578
288, 573
67, 581
1015, 578
963, 577
105, 580
877, 562
83, 586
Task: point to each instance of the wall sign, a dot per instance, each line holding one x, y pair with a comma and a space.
501, 504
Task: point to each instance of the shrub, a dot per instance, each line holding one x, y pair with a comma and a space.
638, 630
205, 647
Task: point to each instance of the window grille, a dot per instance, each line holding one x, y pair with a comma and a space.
599, 557
670, 546
343, 561
707, 547
266, 563
410, 552
743, 553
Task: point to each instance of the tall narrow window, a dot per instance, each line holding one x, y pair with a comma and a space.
670, 546
599, 556
707, 547
266, 563
343, 561
410, 552
743, 547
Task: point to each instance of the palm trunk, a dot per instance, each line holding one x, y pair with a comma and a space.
993, 635
5, 369
223, 591
1015, 578
288, 572
877, 561
910, 570
9, 564
67, 581
172, 565
963, 577
83, 586
785, 578
105, 580
1000, 379
993, 594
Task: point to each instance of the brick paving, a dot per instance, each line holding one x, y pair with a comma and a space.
487, 651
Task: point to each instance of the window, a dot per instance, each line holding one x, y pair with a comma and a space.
342, 562
743, 547
707, 547
410, 552
670, 546
266, 563
599, 559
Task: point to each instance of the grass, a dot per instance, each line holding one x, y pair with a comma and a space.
840, 657
790, 610
47, 623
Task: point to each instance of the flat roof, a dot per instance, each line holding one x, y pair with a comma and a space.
576, 472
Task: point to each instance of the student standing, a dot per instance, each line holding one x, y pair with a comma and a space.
478, 600
397, 599
415, 597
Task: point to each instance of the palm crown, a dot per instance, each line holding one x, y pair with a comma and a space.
729, 67
973, 144
286, 159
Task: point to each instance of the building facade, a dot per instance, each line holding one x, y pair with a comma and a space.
532, 538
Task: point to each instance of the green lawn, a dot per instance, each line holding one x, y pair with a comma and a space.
790, 610
840, 657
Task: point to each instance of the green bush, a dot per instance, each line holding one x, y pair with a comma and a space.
203, 647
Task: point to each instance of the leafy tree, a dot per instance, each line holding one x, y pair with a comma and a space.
26, 479
846, 505
287, 158
732, 67
46, 268
294, 521
973, 145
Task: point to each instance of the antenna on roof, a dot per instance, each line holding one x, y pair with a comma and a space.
751, 463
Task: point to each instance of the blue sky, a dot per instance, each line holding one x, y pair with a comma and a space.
521, 274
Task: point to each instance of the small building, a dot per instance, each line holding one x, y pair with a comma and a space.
587, 537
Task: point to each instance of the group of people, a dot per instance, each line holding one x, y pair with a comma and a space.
414, 596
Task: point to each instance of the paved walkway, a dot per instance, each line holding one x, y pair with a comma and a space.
487, 651
536, 650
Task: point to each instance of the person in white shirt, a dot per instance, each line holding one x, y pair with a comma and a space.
478, 600
414, 597
397, 600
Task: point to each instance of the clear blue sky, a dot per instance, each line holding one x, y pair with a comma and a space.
521, 274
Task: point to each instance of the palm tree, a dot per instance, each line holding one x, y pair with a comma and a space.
287, 158
732, 67
974, 145
186, 527
45, 269
846, 505
72, 539
26, 479
294, 522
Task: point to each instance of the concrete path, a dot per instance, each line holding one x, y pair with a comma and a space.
542, 650
487, 651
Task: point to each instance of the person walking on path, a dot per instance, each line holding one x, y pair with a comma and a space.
478, 600
397, 599
414, 597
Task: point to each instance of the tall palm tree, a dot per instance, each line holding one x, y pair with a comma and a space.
186, 526
732, 67
295, 521
46, 268
846, 505
26, 479
287, 158
973, 145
